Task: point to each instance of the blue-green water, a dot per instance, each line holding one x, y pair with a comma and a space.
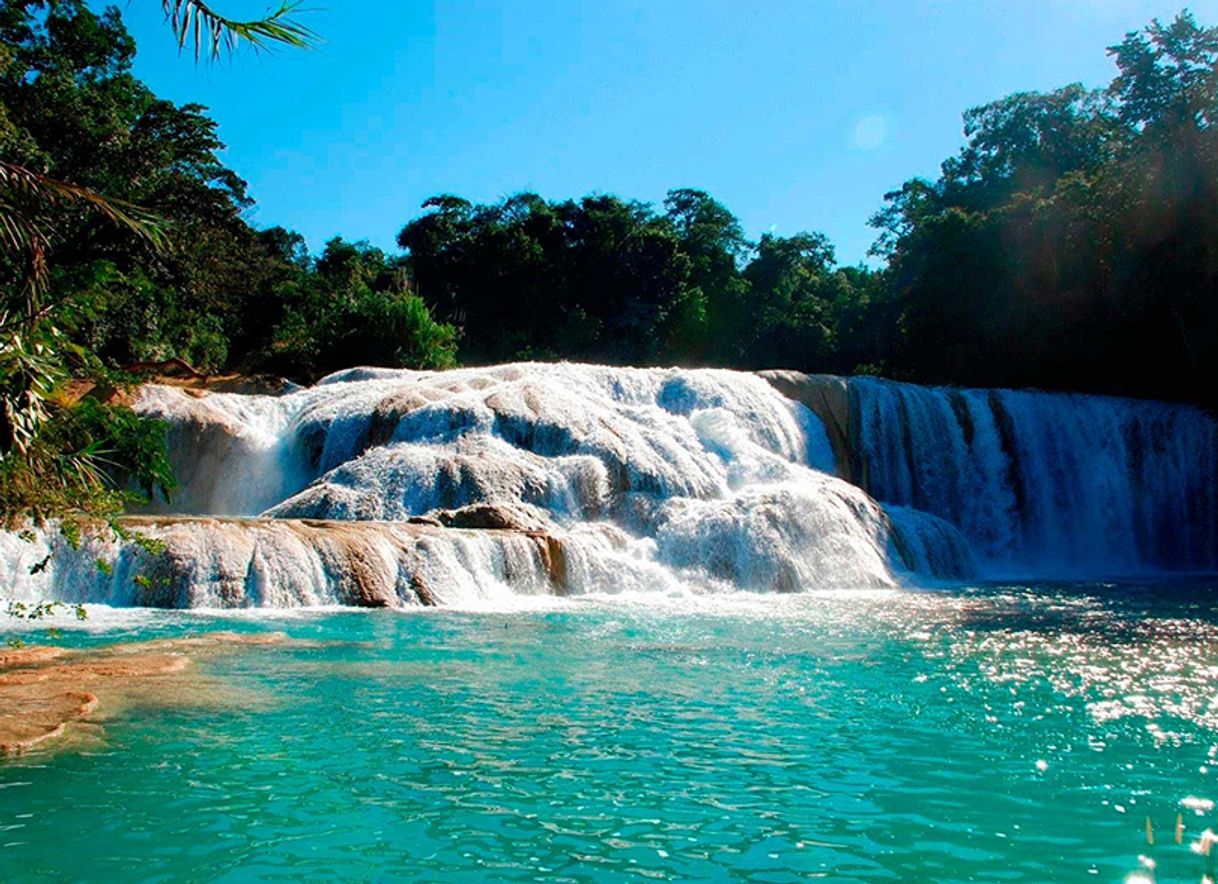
992, 734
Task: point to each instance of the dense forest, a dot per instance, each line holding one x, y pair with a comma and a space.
1072, 243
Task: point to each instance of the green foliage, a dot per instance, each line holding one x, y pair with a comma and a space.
1073, 242
352, 305
41, 610
594, 279
207, 288
63, 458
608, 280
195, 22
395, 328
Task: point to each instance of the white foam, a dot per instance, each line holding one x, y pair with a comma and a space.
663, 481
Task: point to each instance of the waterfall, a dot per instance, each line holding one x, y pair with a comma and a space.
378, 487
467, 487
1045, 483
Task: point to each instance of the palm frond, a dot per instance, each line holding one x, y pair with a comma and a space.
18, 231
18, 181
195, 22
25, 229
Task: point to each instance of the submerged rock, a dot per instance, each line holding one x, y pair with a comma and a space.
47, 694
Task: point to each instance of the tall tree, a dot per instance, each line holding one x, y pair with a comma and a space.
1073, 241
64, 79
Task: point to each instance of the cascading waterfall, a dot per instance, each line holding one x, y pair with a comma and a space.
379, 487
382, 488
1045, 483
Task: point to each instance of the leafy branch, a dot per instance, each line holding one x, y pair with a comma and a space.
194, 21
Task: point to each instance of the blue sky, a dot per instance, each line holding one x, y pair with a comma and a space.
796, 115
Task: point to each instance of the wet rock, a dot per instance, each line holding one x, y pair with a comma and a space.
33, 718
388, 412
493, 517
554, 559
424, 595
828, 398
236, 563
430, 521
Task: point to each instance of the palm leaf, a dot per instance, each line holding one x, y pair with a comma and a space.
26, 197
41, 190
193, 21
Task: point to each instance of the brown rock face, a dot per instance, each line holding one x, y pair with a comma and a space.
202, 561
554, 560
366, 573
429, 521
421, 592
828, 396
489, 516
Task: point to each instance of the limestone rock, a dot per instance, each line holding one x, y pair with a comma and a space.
828, 396
491, 516
46, 691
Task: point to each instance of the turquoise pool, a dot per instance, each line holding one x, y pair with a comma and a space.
1020, 733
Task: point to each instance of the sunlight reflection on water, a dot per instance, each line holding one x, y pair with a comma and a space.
1019, 733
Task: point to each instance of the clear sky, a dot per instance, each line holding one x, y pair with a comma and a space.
797, 115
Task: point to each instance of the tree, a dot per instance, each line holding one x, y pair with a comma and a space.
1073, 241
354, 305
605, 279
60, 457
599, 278
713, 240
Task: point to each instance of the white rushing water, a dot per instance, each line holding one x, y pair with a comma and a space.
1042, 483
380, 487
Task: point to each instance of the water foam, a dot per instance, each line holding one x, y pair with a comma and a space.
597, 480
474, 486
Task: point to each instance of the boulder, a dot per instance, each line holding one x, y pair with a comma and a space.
491, 516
